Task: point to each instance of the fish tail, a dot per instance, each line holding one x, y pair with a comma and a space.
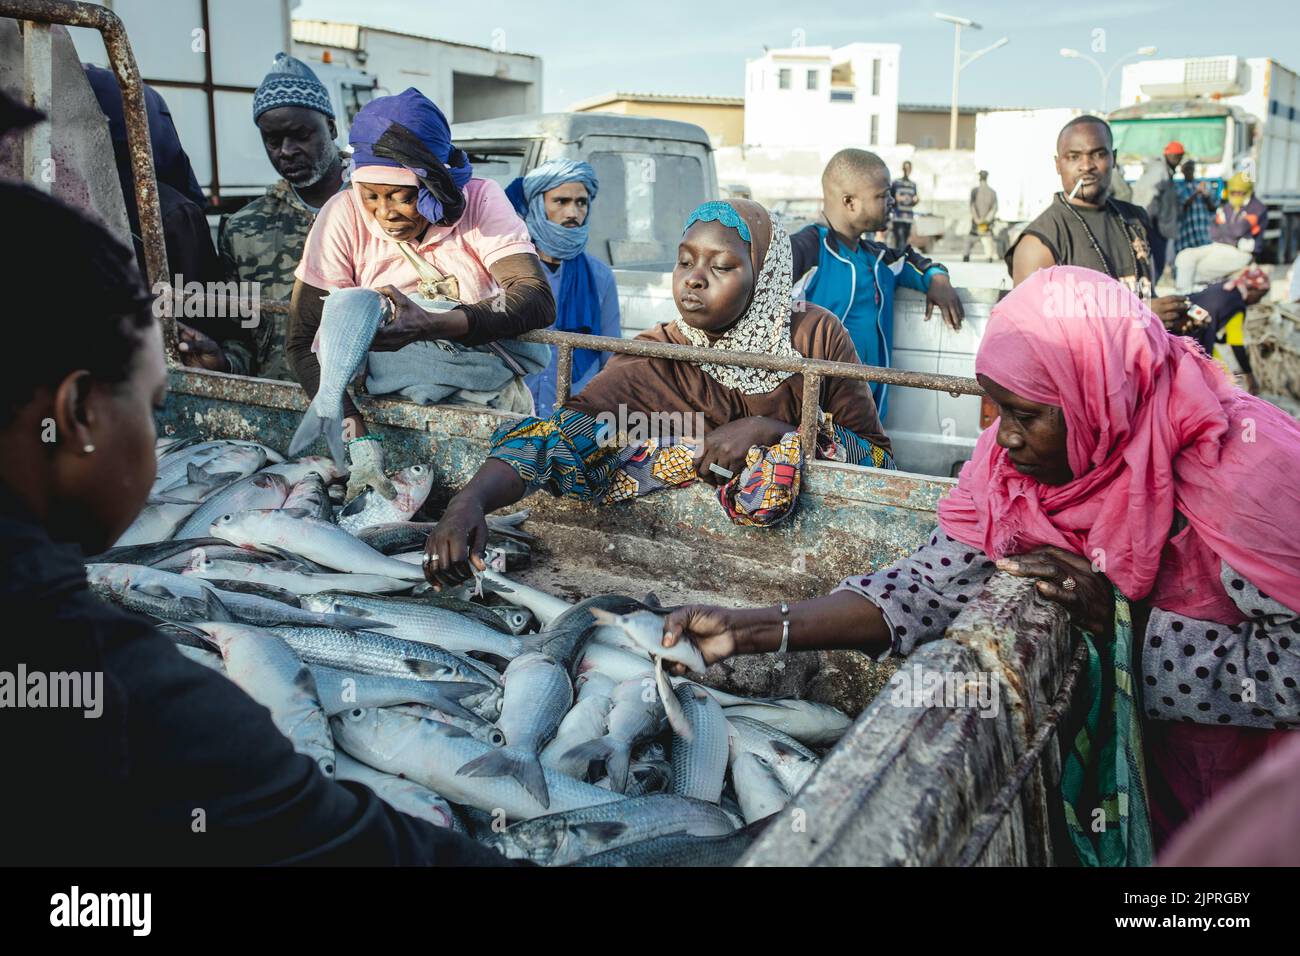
526, 767
600, 748
446, 695
312, 426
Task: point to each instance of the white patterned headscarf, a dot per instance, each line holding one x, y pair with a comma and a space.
764, 327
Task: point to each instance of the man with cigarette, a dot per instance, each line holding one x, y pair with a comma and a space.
1085, 226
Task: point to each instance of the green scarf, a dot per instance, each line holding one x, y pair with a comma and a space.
1104, 769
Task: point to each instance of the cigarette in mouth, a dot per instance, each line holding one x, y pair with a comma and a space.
1077, 184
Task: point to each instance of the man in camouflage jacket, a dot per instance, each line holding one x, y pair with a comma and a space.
263, 242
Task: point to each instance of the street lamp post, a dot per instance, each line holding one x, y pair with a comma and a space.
958, 65
1104, 73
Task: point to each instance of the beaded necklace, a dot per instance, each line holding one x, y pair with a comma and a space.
1129, 232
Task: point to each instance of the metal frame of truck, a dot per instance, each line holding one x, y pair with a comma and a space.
907, 785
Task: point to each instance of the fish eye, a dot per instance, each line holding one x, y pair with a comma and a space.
356, 713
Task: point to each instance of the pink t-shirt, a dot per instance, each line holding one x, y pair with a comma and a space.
346, 248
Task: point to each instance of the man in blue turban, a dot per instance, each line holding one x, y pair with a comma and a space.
555, 201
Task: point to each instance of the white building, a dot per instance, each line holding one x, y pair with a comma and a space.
468, 82
823, 96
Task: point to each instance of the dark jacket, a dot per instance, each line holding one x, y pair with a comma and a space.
181, 766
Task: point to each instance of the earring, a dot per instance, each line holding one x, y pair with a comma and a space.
88, 449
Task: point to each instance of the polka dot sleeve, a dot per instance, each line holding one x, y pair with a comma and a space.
921, 594
1239, 674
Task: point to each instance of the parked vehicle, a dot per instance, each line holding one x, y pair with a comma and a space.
1230, 113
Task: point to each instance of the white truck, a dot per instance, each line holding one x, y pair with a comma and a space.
207, 59
1231, 113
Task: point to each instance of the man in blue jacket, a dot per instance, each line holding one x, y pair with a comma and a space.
855, 277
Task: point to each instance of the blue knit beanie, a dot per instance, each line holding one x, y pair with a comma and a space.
291, 83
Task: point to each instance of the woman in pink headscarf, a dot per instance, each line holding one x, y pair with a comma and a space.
1123, 460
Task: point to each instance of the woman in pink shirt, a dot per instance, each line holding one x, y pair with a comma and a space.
415, 220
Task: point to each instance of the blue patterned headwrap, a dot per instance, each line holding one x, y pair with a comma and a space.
715, 210
408, 130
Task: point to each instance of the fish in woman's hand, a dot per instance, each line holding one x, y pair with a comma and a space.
346, 332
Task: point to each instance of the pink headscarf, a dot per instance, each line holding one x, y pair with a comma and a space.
1153, 425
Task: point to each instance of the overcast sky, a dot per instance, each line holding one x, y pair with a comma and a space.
692, 47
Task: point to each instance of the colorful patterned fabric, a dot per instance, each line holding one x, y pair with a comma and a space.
837, 443
1105, 768
573, 455
768, 489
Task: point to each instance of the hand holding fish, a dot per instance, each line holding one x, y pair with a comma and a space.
456, 543
718, 632
410, 323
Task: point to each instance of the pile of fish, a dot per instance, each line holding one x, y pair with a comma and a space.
548, 730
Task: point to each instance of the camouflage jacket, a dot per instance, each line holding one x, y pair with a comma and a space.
262, 243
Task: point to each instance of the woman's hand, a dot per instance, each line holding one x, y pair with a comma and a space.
456, 543
409, 324
718, 632
199, 350
728, 445
1091, 600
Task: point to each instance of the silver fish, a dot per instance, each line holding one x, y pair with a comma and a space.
428, 752
538, 694
700, 764
585, 721
213, 457
371, 508
209, 659
646, 629
561, 838
177, 597
478, 728
676, 850
342, 690
758, 789
404, 795
252, 493
791, 761
365, 652
637, 715
303, 468
545, 606
312, 496
290, 578
345, 336
416, 621
616, 663
163, 515
313, 538
810, 723
273, 675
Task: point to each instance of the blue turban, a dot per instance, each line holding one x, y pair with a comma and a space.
577, 304
291, 83
409, 131
529, 198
